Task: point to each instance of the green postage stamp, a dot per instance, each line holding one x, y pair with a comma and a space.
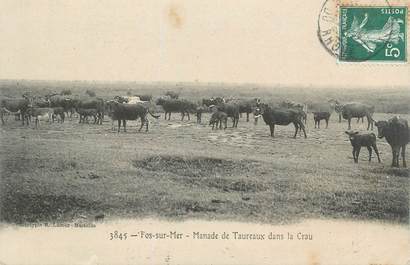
373, 34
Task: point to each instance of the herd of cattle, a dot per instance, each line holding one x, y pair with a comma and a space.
123, 108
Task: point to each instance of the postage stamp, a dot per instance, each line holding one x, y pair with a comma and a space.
364, 30
373, 34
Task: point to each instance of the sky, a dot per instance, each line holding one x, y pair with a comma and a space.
234, 41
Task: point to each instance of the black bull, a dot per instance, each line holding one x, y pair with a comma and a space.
281, 116
124, 112
177, 105
358, 110
397, 134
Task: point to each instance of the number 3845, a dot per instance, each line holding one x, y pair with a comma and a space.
117, 235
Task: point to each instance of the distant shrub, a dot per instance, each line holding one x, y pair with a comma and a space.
172, 94
129, 93
65, 92
91, 93
399, 108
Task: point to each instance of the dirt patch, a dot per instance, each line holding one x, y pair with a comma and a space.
183, 207
236, 185
399, 172
367, 205
193, 167
22, 207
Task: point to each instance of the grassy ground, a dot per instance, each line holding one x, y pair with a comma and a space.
181, 170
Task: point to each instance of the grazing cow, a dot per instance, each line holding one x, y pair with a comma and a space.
95, 103
232, 110
280, 116
39, 114
123, 112
358, 140
14, 105
358, 110
85, 113
321, 115
177, 105
218, 117
396, 132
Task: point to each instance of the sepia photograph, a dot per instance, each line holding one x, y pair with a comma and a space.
204, 132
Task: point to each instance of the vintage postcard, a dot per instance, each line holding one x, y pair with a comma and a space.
204, 132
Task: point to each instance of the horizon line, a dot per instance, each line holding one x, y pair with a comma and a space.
205, 83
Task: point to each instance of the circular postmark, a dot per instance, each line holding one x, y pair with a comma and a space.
362, 30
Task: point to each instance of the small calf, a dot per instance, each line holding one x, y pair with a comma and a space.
218, 117
85, 113
322, 115
358, 140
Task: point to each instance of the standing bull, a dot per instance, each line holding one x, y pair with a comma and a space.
182, 106
321, 115
358, 110
396, 132
123, 112
280, 116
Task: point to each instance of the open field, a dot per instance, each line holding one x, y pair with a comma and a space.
181, 170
